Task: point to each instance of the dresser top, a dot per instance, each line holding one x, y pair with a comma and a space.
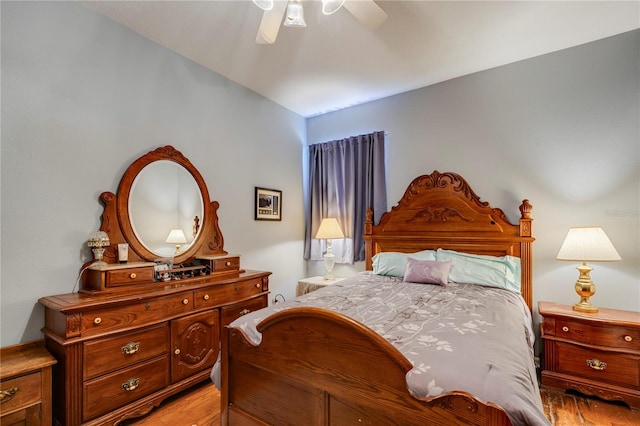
604, 315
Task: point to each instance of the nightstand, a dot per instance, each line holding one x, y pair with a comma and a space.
307, 285
25, 384
592, 353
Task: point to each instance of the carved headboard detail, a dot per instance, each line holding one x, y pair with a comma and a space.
441, 210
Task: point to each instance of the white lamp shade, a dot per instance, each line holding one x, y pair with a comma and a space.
329, 229
176, 236
587, 244
331, 6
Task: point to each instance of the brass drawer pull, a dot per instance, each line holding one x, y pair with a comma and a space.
131, 384
205, 297
177, 351
628, 338
185, 301
6, 395
245, 311
132, 275
228, 263
596, 364
97, 320
565, 329
257, 285
130, 348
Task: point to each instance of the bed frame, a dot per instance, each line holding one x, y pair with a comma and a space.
317, 367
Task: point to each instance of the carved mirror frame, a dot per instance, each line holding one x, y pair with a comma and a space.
116, 220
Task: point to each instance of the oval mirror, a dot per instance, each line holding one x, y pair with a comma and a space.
159, 193
165, 200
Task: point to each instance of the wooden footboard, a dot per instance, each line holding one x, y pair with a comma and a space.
317, 367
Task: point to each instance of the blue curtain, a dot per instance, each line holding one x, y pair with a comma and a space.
346, 177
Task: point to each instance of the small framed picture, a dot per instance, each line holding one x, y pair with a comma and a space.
268, 204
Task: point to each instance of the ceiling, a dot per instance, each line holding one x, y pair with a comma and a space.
335, 62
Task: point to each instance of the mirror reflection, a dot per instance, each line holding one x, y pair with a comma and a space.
164, 200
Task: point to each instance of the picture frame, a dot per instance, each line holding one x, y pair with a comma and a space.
268, 204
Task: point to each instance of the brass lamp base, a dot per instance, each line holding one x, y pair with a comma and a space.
585, 289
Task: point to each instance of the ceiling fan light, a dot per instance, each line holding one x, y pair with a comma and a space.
295, 15
264, 4
331, 6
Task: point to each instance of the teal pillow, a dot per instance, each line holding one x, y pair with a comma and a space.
493, 271
394, 264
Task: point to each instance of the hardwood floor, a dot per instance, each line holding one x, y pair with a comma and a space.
200, 406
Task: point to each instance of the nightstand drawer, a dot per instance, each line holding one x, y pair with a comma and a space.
115, 390
602, 366
104, 355
609, 336
21, 392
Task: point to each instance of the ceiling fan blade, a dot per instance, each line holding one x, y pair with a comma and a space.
367, 12
270, 24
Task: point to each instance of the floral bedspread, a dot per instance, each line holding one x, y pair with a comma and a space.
459, 337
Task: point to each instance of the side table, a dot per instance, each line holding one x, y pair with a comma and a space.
592, 353
307, 285
25, 384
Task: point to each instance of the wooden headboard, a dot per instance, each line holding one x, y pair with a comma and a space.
441, 210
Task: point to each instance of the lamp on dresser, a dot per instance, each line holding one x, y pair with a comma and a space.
98, 241
587, 244
329, 229
177, 237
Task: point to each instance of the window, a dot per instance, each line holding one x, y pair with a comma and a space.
346, 177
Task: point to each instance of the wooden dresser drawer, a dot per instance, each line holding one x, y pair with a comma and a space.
230, 263
120, 277
217, 264
115, 390
21, 392
602, 366
103, 355
230, 313
609, 336
112, 276
227, 293
136, 314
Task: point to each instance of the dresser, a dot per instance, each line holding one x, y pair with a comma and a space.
147, 318
592, 353
120, 354
25, 384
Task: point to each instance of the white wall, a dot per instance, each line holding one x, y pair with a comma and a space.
83, 97
561, 130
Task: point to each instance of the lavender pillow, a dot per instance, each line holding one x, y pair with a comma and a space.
427, 271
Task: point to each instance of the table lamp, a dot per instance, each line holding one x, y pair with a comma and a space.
329, 229
98, 241
177, 237
587, 244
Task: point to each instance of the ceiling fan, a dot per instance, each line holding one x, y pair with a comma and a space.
366, 11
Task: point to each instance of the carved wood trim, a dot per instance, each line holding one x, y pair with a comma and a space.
441, 210
116, 222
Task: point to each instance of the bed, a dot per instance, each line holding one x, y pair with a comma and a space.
379, 348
